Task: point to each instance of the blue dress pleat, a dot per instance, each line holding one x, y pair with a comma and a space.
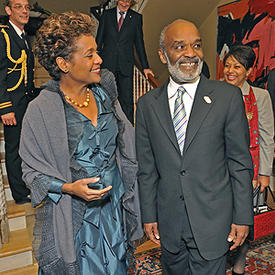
100, 243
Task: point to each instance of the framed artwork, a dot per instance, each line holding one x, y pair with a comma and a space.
252, 23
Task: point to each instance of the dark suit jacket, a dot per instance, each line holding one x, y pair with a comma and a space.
116, 48
213, 177
271, 87
10, 99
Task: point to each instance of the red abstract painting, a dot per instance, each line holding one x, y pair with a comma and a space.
248, 22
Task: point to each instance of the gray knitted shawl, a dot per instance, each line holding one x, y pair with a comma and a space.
44, 150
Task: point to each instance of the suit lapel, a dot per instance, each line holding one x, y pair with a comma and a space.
15, 37
127, 20
201, 107
202, 104
114, 22
162, 110
29, 43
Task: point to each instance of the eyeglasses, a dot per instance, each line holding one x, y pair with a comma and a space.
20, 7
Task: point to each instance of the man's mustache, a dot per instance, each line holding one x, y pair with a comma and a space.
188, 60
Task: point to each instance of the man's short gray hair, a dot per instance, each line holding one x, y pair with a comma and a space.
162, 35
161, 39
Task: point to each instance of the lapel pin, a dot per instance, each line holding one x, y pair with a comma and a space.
207, 99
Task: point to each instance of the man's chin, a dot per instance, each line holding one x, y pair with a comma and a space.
180, 74
188, 77
24, 22
189, 72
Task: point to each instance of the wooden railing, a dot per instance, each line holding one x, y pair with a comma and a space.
142, 85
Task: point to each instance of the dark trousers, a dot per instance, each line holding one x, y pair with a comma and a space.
188, 260
13, 160
125, 94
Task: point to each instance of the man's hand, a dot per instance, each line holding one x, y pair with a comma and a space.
152, 232
263, 181
237, 235
147, 72
9, 119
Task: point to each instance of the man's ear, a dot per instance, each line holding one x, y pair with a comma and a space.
8, 10
162, 57
62, 64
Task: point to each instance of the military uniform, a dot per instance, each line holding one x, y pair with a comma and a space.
16, 91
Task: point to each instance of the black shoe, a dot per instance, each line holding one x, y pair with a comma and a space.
23, 200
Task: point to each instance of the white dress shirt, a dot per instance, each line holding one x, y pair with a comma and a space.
19, 32
118, 14
188, 97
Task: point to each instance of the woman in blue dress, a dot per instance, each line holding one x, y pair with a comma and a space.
78, 157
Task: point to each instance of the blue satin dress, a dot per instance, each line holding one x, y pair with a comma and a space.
100, 243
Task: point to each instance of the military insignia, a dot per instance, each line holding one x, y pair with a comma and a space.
22, 60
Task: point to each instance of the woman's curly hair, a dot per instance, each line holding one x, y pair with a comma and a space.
56, 38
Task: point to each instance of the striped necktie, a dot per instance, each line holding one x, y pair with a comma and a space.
180, 119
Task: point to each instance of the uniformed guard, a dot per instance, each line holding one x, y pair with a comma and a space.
16, 89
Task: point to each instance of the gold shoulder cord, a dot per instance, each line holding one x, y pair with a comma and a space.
22, 60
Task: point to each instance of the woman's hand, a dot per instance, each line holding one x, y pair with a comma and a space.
80, 188
263, 182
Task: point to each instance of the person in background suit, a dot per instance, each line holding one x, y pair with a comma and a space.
119, 33
195, 169
16, 89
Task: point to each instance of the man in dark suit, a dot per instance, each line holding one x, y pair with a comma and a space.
195, 169
119, 32
16, 89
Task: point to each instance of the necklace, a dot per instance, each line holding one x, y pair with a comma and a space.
84, 104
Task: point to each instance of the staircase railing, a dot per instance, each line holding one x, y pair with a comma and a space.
142, 85
4, 226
